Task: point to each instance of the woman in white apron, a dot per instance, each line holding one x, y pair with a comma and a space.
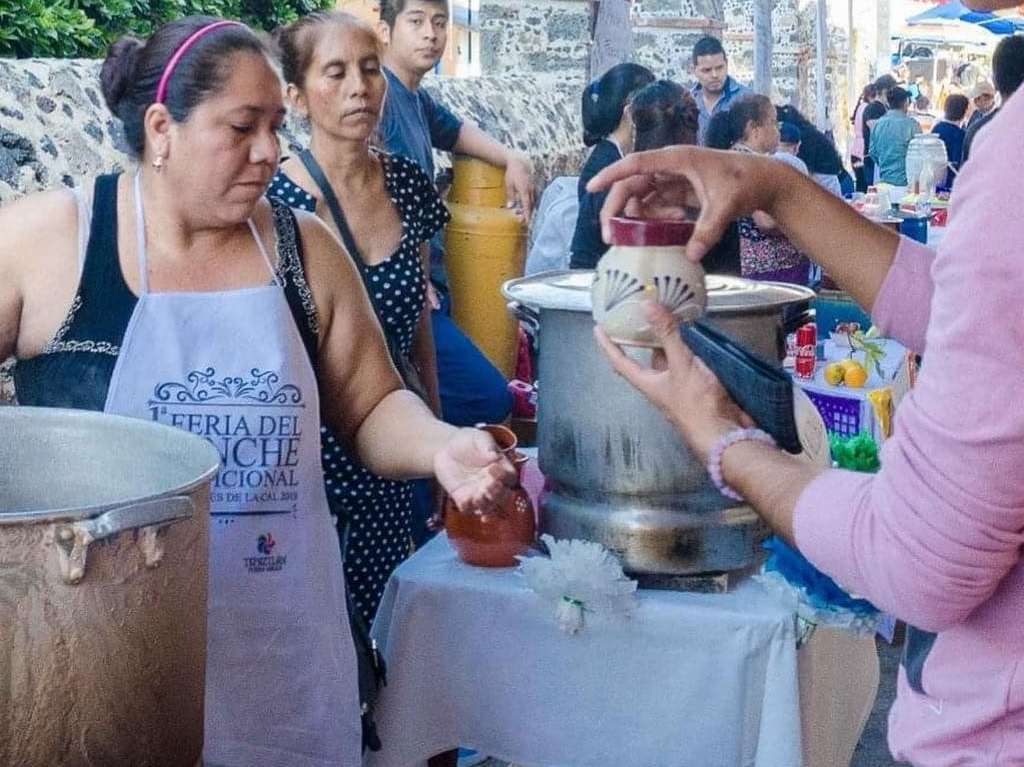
180, 295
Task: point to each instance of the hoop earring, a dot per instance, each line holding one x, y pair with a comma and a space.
158, 163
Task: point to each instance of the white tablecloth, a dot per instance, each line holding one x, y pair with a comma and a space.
690, 680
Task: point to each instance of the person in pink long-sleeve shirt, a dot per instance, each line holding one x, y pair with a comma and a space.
936, 537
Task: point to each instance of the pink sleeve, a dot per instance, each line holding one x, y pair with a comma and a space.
903, 304
930, 537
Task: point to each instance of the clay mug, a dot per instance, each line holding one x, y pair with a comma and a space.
494, 538
647, 262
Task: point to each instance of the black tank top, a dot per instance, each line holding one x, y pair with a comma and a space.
75, 367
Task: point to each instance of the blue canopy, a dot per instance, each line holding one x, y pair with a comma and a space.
955, 10
1003, 25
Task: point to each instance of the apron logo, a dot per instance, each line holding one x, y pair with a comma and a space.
259, 388
254, 421
265, 544
266, 562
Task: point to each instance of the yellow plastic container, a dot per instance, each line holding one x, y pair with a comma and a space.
485, 246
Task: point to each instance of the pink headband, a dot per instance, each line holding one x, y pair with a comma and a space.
191, 40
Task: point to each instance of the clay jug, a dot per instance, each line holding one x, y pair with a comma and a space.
494, 538
646, 261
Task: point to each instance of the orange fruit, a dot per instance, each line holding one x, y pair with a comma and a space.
834, 372
855, 376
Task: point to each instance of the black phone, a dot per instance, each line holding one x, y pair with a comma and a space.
763, 391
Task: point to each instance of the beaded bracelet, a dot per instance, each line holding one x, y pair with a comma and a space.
725, 442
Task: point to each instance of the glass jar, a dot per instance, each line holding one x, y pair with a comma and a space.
646, 262
926, 164
871, 202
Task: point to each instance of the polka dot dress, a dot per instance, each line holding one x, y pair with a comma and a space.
379, 511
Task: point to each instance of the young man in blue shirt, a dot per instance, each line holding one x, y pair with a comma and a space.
413, 124
890, 139
715, 90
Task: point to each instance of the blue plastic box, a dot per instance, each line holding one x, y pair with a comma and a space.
834, 306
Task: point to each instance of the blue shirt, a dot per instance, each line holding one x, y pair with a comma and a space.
730, 92
412, 124
953, 137
890, 139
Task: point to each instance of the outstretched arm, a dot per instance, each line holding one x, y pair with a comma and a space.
518, 169
393, 432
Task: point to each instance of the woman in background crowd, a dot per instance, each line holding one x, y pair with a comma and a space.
857, 149
332, 66
751, 126
817, 151
608, 128
950, 130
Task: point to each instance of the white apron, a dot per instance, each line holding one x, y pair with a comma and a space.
281, 678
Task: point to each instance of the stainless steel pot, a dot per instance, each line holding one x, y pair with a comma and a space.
617, 472
103, 579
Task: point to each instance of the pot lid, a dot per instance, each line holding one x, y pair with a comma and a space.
649, 232
570, 290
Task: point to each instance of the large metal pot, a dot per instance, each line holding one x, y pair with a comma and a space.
616, 471
103, 578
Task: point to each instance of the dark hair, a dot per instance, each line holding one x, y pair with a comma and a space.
707, 46
133, 68
728, 126
956, 107
866, 97
605, 99
296, 42
789, 133
664, 114
389, 9
1008, 65
884, 83
816, 149
897, 97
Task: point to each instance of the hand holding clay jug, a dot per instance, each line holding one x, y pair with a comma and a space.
647, 262
496, 537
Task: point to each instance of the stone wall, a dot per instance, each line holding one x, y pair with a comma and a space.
665, 44
55, 129
793, 53
546, 38
537, 36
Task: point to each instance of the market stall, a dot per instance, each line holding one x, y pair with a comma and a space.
862, 401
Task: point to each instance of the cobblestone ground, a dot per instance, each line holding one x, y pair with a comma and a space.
872, 750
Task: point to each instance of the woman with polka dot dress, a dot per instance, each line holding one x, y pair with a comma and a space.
331, 62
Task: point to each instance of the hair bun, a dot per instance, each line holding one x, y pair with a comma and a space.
118, 72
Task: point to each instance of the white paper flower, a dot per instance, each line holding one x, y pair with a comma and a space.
578, 577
